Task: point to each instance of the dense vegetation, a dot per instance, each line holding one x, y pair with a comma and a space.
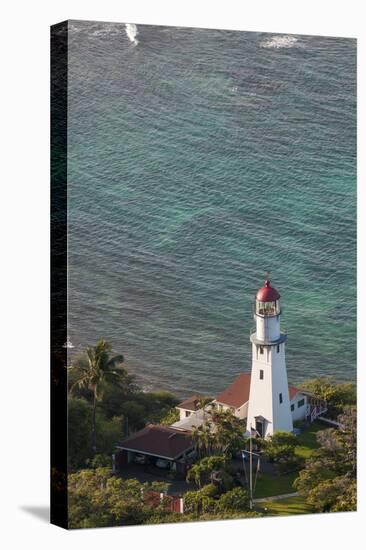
221, 433
337, 394
99, 499
106, 404
328, 480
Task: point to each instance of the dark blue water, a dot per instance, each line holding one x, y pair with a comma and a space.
198, 160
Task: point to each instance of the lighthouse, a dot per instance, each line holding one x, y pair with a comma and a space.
269, 405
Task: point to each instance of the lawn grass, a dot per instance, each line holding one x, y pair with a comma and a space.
307, 439
285, 507
270, 485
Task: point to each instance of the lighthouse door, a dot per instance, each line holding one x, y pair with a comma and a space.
259, 426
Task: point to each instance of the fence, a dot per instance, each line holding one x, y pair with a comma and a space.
172, 503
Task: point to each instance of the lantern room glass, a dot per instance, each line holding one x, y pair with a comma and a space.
268, 308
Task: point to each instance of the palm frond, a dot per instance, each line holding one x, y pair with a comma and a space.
114, 363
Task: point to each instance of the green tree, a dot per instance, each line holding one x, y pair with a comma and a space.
93, 371
99, 461
203, 438
80, 427
99, 499
281, 438
203, 471
79, 432
170, 417
142, 408
221, 434
280, 449
109, 432
228, 433
236, 500
157, 404
328, 480
116, 395
199, 502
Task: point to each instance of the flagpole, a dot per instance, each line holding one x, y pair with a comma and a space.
250, 471
245, 471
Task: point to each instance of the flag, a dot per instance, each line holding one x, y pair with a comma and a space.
253, 432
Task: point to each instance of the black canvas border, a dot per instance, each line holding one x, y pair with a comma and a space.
59, 447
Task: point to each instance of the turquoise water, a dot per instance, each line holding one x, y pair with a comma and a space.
198, 160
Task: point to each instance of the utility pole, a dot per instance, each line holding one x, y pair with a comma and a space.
251, 470
250, 453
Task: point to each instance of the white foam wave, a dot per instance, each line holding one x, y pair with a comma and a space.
132, 32
281, 41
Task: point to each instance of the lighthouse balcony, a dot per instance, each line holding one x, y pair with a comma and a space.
267, 342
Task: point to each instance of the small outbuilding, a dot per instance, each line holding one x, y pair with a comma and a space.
189, 406
156, 443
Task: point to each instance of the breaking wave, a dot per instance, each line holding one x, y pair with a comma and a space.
279, 42
132, 32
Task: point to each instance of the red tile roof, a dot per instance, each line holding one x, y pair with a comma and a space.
238, 392
161, 441
292, 391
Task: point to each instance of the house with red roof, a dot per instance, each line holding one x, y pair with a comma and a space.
262, 399
162, 446
189, 406
236, 398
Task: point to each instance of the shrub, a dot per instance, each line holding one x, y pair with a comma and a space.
197, 502
236, 500
99, 461
170, 417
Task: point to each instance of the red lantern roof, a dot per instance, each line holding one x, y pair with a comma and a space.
267, 293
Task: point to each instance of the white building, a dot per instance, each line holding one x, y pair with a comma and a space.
269, 403
236, 399
189, 406
262, 399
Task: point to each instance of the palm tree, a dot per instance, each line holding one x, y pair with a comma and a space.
93, 371
196, 437
203, 438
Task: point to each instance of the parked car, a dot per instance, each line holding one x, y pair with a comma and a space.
162, 463
141, 459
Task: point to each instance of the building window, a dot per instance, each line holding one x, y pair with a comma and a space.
301, 403
280, 396
188, 413
292, 407
278, 348
261, 375
261, 351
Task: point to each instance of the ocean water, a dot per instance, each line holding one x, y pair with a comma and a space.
198, 161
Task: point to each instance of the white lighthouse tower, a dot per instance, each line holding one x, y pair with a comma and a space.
269, 405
